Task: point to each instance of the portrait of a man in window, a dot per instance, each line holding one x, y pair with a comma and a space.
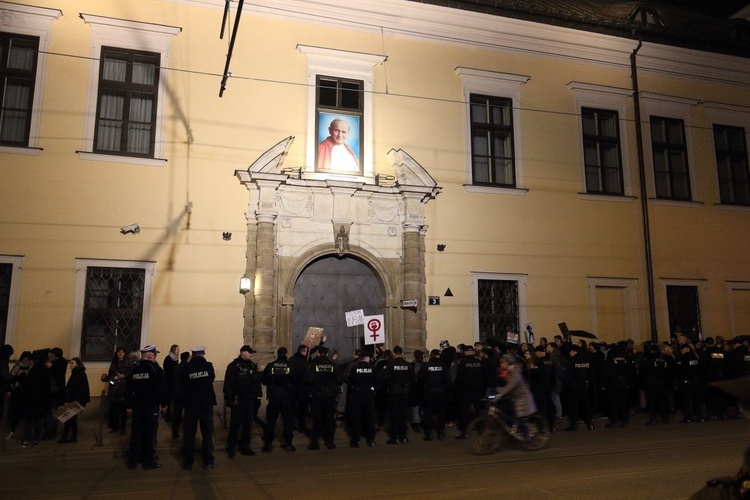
339, 143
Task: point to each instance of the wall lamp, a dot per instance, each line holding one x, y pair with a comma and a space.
245, 285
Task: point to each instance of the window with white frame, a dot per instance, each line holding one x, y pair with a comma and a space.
10, 279
24, 38
494, 158
113, 300
499, 305
730, 126
603, 138
684, 306
670, 159
340, 87
732, 165
671, 145
127, 88
127, 102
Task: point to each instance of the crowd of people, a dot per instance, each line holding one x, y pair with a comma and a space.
37, 390
378, 390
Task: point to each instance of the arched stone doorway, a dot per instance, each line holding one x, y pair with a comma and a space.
326, 289
295, 219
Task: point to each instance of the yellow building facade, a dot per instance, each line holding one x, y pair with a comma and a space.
496, 181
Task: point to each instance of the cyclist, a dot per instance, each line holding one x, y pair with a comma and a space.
514, 389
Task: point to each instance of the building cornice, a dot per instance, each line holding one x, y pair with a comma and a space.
406, 19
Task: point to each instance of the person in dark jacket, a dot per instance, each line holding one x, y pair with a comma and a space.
178, 399
282, 378
36, 397
323, 380
115, 378
360, 392
198, 382
619, 376
469, 387
172, 360
581, 378
658, 377
435, 380
687, 373
76, 391
18, 376
59, 370
542, 380
145, 397
242, 391
398, 379
6, 352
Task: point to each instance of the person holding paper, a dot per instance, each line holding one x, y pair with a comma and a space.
76, 392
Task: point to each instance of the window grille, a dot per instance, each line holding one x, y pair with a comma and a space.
113, 311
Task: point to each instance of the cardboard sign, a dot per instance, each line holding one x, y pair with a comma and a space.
313, 336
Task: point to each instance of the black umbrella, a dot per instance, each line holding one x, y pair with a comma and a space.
575, 333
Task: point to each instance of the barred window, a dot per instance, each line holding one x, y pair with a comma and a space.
498, 309
113, 311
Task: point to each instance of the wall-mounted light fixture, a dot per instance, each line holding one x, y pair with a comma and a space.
245, 285
440, 247
226, 236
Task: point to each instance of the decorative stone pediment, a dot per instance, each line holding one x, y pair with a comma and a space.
408, 171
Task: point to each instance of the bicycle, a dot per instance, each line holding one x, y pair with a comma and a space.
486, 433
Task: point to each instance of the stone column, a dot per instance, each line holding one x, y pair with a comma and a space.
264, 314
413, 287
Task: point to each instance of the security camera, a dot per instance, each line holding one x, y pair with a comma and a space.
131, 228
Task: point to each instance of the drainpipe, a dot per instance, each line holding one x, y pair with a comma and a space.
644, 195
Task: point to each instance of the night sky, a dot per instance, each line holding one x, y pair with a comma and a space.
722, 8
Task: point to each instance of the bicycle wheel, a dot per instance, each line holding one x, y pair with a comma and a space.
533, 432
484, 435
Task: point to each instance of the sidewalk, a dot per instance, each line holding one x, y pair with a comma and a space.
94, 436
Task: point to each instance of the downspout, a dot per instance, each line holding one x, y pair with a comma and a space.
644, 195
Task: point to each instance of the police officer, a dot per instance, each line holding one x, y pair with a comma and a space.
398, 378
242, 389
360, 392
146, 395
687, 373
200, 398
469, 386
300, 361
323, 380
581, 378
658, 376
618, 377
435, 378
713, 369
541, 381
282, 378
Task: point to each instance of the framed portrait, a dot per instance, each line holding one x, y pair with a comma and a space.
339, 143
